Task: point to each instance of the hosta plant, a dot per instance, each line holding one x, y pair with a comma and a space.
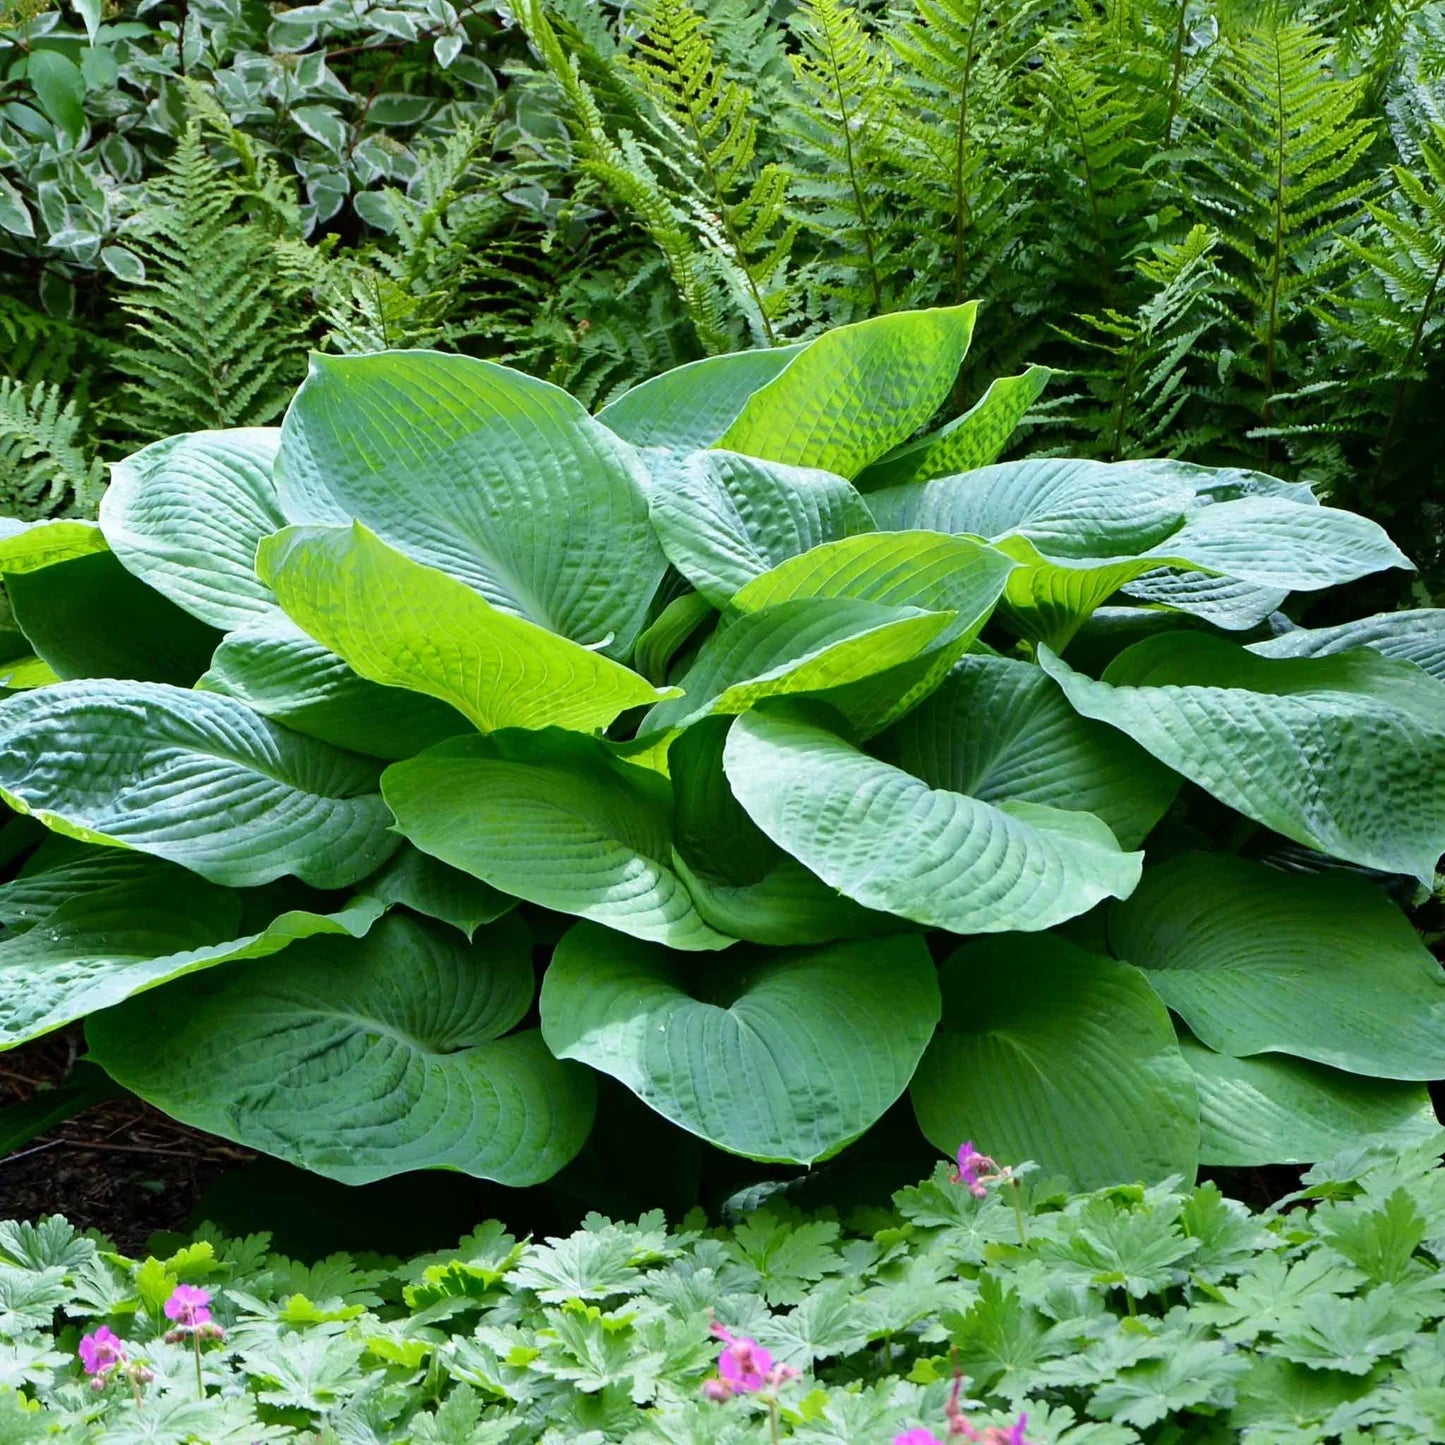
405, 766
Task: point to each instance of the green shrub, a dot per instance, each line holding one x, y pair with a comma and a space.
754, 708
1128, 1315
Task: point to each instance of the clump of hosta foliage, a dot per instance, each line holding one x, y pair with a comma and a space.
407, 765
1128, 1315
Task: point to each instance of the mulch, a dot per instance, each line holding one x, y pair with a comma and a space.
120, 1167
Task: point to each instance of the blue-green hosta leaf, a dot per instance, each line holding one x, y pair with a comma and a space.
362, 1058
61, 870
973, 440
806, 644
1271, 1109
691, 406
1002, 731
403, 624
898, 569
195, 778
28, 546
1345, 754
1416, 636
185, 515
496, 478
724, 519
890, 842
1051, 1053
108, 943
557, 819
426, 885
278, 671
856, 391
788, 1058
741, 881
1255, 961
1223, 602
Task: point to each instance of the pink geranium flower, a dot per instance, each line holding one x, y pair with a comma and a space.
189, 1306
101, 1352
918, 1436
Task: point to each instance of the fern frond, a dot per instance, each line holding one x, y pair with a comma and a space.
45, 470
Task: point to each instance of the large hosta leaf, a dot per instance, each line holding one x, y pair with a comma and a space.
855, 392
691, 406
193, 777
1002, 731
807, 644
406, 625
185, 515
278, 671
557, 819
724, 519
1051, 1053
781, 1056
28, 546
148, 926
1345, 754
1417, 636
1271, 1109
890, 842
1259, 961
497, 478
360, 1059
1223, 602
740, 880
426, 885
973, 440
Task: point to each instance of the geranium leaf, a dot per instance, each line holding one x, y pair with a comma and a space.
890, 842
1345, 754
557, 819
809, 1068
1255, 961
195, 778
394, 1051
1051, 1053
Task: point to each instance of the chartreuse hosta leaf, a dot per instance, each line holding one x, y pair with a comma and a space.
856, 391
1002, 731
740, 880
494, 477
362, 1058
1416, 636
1256, 961
806, 644
195, 778
1345, 753
185, 515
890, 842
1271, 1109
898, 569
557, 819
278, 671
724, 519
149, 923
1051, 1053
972, 440
403, 624
776, 1055
28, 546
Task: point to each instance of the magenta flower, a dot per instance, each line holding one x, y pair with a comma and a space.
188, 1306
973, 1168
101, 1352
744, 1364
918, 1436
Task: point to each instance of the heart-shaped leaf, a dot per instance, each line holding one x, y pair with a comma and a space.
466, 466
362, 1058
405, 625
195, 778
890, 842
1051, 1053
426, 885
1345, 753
1255, 961
808, 1066
557, 819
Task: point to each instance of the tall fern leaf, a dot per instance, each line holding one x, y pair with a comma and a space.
45, 469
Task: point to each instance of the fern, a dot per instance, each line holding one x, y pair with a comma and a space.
212, 341
45, 470
679, 70
1150, 356
1280, 175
